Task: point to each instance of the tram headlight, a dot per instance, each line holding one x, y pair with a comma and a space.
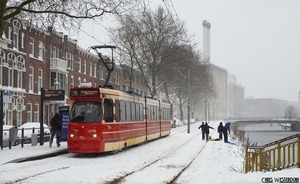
93, 135
72, 135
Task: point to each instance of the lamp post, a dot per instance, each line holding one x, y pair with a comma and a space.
189, 88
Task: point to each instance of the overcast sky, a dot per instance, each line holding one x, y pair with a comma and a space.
256, 40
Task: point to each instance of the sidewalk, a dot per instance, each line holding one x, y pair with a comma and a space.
28, 152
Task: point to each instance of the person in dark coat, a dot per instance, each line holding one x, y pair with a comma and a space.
220, 130
206, 130
226, 130
55, 124
202, 130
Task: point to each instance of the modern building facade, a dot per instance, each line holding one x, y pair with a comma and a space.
235, 98
218, 104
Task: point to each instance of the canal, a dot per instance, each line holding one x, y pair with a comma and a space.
263, 133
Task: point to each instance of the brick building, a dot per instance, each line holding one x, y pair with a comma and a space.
32, 58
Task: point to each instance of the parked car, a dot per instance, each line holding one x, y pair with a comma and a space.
177, 123
33, 128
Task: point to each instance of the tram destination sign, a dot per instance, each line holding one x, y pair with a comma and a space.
54, 95
84, 92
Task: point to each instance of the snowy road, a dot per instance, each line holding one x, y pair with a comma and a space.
170, 154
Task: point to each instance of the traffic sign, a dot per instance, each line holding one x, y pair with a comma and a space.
7, 97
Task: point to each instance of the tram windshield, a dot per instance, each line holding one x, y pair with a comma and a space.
86, 111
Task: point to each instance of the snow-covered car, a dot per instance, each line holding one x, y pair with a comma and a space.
30, 128
177, 123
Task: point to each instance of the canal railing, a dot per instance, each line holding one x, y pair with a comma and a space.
277, 155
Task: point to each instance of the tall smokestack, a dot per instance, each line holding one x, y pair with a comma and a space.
206, 40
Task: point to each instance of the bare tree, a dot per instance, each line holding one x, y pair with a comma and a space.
147, 37
291, 112
66, 14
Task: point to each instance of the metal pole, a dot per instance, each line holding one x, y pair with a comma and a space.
205, 116
188, 113
1, 120
42, 117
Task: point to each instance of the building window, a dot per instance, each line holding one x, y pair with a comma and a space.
36, 113
9, 33
69, 61
72, 81
15, 40
10, 63
41, 51
40, 79
29, 112
31, 47
101, 72
23, 40
58, 80
54, 52
79, 65
62, 80
84, 67
9, 119
19, 70
2, 56
19, 114
91, 69
95, 70
30, 79
79, 81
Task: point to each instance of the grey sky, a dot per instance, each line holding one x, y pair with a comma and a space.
256, 40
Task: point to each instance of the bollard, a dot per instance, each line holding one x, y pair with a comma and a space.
13, 133
33, 139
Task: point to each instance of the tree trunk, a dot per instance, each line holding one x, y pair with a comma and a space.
2, 8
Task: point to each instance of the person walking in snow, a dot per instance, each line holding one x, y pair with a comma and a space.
206, 130
226, 130
220, 130
55, 129
202, 130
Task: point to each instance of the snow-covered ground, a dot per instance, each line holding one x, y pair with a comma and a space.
214, 162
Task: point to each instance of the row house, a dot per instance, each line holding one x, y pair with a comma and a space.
32, 58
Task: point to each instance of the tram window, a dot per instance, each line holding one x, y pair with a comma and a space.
155, 113
108, 110
123, 110
137, 112
141, 112
132, 107
149, 112
86, 111
117, 110
127, 108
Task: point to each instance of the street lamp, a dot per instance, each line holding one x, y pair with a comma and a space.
189, 88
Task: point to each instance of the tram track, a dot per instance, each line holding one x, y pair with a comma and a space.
164, 163
127, 166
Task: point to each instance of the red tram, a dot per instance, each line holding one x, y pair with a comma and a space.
104, 120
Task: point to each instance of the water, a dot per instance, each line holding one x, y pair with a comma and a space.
264, 133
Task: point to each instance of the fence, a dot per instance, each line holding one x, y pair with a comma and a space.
274, 156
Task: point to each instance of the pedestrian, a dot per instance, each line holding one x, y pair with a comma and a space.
202, 130
226, 130
55, 124
220, 130
206, 130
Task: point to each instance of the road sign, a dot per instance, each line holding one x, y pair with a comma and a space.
7, 97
